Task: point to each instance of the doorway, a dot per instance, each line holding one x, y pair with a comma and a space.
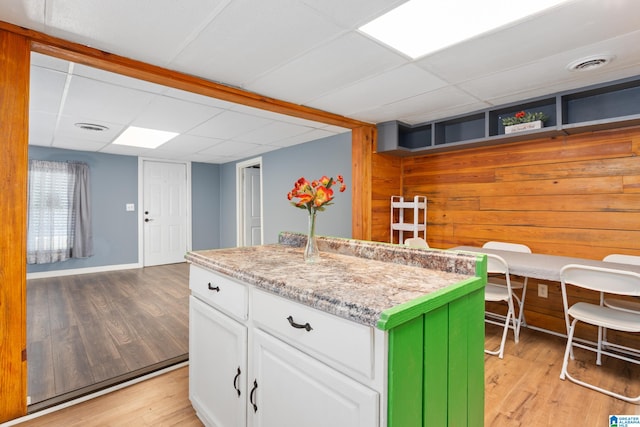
249, 202
164, 200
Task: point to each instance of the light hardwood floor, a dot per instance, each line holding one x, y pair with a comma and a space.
523, 389
90, 331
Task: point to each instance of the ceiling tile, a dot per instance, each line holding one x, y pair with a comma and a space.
25, 13
151, 31
534, 38
46, 90
174, 115
229, 148
341, 62
387, 87
104, 101
273, 132
248, 38
229, 125
82, 144
189, 144
352, 13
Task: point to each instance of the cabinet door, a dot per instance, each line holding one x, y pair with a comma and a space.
217, 366
291, 389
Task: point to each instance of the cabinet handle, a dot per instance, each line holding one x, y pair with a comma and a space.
212, 288
237, 387
253, 391
306, 326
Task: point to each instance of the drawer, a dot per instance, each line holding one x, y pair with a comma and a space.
219, 291
343, 342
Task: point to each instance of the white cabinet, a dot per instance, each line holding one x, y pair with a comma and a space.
415, 225
278, 363
217, 366
292, 389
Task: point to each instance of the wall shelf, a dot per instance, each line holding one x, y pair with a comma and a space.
598, 107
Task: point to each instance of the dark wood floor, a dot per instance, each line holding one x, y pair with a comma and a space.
521, 390
89, 331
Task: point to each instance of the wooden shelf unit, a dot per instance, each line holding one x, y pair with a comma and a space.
418, 206
604, 106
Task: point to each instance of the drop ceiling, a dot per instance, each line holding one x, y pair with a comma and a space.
307, 52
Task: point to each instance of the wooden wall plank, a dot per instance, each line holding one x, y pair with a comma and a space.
14, 113
576, 195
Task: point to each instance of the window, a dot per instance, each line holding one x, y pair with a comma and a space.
59, 219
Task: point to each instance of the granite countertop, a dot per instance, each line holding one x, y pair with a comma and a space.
355, 280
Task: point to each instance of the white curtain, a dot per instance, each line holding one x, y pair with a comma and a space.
59, 212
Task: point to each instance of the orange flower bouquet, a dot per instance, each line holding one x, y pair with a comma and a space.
314, 197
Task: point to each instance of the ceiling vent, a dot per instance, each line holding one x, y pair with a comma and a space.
590, 63
92, 127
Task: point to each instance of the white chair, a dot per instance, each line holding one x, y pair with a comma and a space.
416, 242
619, 304
522, 286
605, 280
498, 293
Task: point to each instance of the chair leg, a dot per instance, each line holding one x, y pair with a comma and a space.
568, 351
508, 318
599, 347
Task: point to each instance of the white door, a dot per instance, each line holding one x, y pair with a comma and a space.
290, 389
164, 212
252, 216
217, 366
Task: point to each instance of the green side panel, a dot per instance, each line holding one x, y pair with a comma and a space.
475, 358
399, 314
436, 376
405, 374
436, 356
458, 368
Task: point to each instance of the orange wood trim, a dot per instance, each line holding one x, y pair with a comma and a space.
14, 116
85, 55
362, 143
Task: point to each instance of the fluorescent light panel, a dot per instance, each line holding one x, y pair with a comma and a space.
419, 27
143, 137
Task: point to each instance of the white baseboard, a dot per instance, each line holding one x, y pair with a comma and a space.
74, 271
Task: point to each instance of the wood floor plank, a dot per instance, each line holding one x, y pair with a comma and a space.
521, 390
104, 325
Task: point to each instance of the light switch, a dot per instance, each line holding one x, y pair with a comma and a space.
130, 207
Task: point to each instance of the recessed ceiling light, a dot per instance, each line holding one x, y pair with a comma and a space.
143, 137
590, 63
91, 126
418, 27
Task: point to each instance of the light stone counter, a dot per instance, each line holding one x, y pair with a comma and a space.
356, 280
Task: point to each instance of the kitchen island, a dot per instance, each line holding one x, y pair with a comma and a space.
372, 335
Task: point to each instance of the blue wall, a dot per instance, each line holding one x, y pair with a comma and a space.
205, 206
114, 183
280, 169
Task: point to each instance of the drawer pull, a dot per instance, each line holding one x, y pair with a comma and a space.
306, 326
212, 288
235, 379
253, 391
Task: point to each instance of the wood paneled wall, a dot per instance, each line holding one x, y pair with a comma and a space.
575, 195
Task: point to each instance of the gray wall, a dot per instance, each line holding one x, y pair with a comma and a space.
114, 183
280, 169
205, 206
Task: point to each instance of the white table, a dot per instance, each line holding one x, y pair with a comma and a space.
542, 266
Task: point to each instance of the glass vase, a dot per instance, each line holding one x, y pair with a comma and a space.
311, 252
